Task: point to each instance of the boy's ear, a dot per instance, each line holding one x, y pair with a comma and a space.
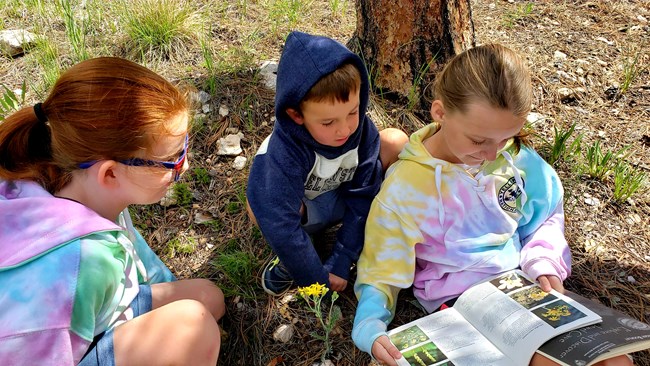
437, 110
295, 116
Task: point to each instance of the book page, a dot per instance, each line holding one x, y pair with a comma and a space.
617, 334
517, 316
445, 338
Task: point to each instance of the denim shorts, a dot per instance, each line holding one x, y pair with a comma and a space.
323, 211
101, 351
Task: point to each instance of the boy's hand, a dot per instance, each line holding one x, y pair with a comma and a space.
548, 282
337, 283
385, 352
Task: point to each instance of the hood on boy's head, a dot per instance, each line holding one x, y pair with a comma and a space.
305, 60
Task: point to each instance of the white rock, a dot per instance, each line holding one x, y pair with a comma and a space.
269, 73
641, 18
324, 363
603, 39
284, 333
223, 110
534, 117
568, 93
631, 279
206, 108
230, 145
203, 96
592, 201
239, 163
559, 55
169, 198
200, 218
14, 41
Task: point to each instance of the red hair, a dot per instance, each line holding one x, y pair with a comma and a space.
102, 108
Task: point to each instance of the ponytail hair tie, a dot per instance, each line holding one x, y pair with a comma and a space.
38, 111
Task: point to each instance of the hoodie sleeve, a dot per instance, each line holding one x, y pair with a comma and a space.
275, 194
545, 250
386, 265
358, 195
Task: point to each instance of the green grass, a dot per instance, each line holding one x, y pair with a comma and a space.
182, 194
521, 12
201, 175
632, 68
239, 270
160, 29
181, 245
75, 30
627, 181
559, 149
47, 57
10, 101
600, 163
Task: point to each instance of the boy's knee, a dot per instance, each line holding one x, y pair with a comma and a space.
392, 141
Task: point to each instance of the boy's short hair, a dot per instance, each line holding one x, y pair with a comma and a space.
336, 86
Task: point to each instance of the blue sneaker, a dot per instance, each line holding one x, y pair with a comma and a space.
275, 278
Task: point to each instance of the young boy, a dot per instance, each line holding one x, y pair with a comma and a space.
321, 165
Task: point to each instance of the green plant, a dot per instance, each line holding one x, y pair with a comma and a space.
201, 175
10, 102
337, 6
415, 90
627, 181
160, 28
47, 56
313, 296
521, 11
181, 245
599, 163
559, 149
239, 269
75, 31
182, 194
291, 10
631, 71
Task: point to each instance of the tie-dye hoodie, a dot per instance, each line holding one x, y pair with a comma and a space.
438, 228
66, 275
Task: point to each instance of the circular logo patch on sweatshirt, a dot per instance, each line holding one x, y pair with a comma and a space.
508, 195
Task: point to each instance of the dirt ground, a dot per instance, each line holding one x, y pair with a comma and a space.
579, 53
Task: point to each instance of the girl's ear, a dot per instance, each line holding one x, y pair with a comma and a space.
106, 174
437, 111
295, 116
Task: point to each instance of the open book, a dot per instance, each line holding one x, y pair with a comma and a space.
500, 322
618, 334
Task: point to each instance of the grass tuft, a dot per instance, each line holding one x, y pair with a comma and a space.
160, 29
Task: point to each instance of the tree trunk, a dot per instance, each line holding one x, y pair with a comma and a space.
405, 42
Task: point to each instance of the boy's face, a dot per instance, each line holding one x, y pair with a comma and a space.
330, 124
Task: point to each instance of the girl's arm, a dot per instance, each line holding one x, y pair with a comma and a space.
545, 251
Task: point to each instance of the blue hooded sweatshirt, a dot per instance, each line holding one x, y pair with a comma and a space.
289, 161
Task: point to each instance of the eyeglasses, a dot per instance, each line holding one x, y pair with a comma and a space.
176, 166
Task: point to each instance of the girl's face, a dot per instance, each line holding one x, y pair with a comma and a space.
473, 136
149, 184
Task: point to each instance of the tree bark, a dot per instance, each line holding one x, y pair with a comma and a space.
405, 42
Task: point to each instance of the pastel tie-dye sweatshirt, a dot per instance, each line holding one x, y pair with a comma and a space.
440, 229
66, 274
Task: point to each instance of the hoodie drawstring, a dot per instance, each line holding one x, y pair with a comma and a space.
441, 209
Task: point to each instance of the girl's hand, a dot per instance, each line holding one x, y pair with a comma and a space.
385, 352
548, 282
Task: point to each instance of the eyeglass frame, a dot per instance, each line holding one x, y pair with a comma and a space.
176, 166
